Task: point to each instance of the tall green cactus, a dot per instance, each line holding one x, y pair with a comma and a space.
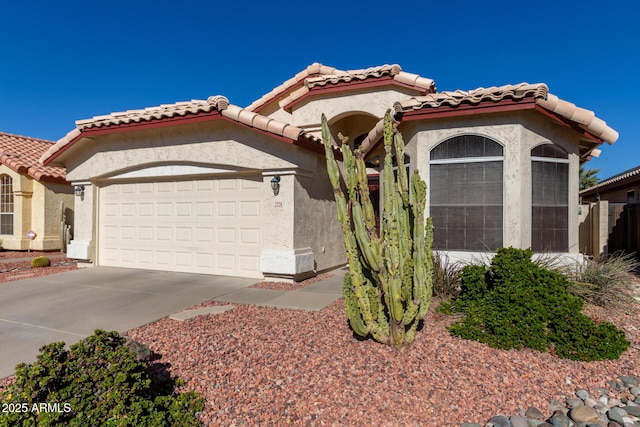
388, 289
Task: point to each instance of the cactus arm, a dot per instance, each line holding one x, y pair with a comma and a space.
366, 322
389, 285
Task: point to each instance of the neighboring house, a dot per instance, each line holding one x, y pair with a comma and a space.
32, 196
188, 186
619, 222
621, 188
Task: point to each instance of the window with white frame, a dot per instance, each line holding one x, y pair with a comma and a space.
466, 193
550, 199
6, 205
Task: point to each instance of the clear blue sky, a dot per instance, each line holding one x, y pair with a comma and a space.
70, 60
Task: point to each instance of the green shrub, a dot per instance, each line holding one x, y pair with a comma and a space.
515, 303
41, 261
446, 276
98, 382
604, 282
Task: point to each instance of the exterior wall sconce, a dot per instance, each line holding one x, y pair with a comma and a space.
79, 191
275, 185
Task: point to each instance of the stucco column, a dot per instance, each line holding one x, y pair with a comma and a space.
81, 246
22, 218
279, 257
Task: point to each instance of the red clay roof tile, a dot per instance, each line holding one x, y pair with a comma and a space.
585, 119
21, 153
194, 107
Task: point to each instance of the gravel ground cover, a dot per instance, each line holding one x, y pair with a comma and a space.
269, 366
13, 268
290, 286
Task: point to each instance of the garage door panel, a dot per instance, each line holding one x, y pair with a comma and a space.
250, 208
249, 236
205, 226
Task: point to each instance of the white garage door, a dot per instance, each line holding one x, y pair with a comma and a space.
210, 226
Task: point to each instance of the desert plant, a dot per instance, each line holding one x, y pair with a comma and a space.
97, 382
389, 286
604, 282
40, 261
446, 276
514, 303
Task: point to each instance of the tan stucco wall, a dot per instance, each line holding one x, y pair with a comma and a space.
214, 143
518, 133
47, 222
221, 147
36, 208
306, 114
316, 222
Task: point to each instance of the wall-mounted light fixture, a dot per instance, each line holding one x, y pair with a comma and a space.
79, 191
275, 185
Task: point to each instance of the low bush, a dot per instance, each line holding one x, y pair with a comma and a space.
515, 303
40, 261
604, 282
98, 382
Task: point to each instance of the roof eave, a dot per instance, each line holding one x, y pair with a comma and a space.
90, 132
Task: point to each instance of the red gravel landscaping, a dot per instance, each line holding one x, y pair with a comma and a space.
12, 268
269, 366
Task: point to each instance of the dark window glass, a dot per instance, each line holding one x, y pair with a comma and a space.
466, 199
550, 200
6, 205
466, 146
549, 150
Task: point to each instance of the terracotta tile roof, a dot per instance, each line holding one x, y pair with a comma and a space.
394, 71
583, 118
181, 109
21, 153
313, 69
317, 75
155, 113
616, 179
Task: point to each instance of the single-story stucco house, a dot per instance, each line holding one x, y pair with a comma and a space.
206, 186
623, 187
33, 197
616, 221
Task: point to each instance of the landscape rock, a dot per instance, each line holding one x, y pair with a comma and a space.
534, 413
583, 414
518, 421
617, 414
630, 381
143, 353
559, 419
498, 421
632, 410
572, 403
582, 394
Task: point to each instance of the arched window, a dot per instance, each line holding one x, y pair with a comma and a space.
6, 205
549, 199
466, 193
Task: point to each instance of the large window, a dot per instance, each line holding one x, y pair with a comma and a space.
466, 193
550, 199
6, 205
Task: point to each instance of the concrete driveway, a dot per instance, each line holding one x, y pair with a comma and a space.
70, 306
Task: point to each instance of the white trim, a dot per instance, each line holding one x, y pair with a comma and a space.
467, 160
171, 171
549, 160
287, 262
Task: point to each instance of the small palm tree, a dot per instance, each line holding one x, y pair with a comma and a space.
588, 178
